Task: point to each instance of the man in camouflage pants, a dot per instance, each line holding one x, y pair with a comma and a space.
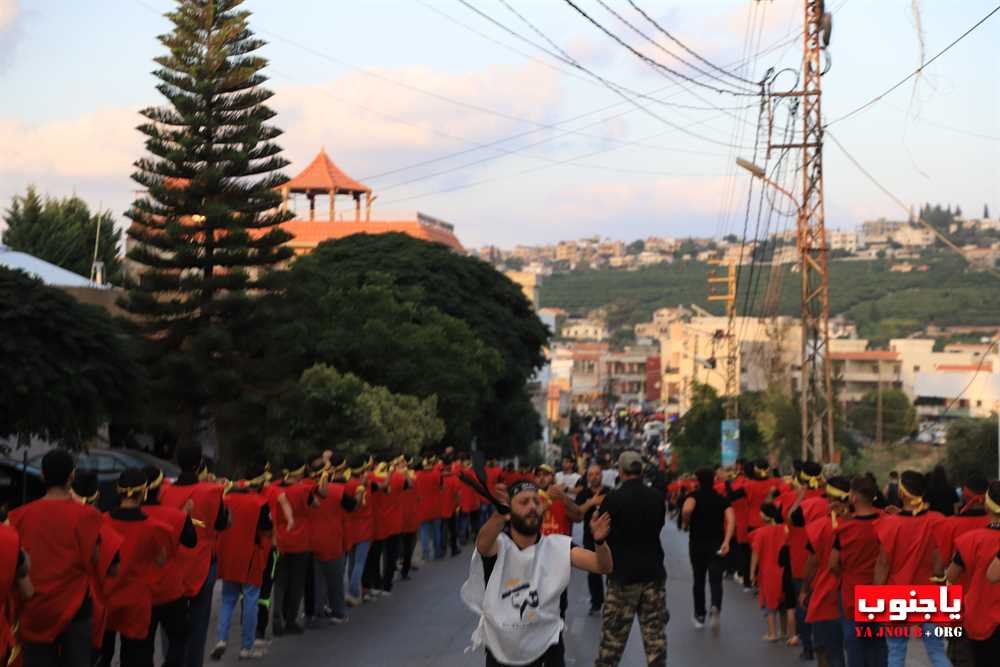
638, 583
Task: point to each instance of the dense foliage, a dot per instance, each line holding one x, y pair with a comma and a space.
206, 229
63, 232
65, 365
972, 447
899, 417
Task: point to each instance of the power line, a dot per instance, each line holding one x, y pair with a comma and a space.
684, 46
944, 239
916, 71
652, 61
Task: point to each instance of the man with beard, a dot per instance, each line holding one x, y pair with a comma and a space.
517, 577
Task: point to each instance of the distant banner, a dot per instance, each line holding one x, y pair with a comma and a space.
730, 441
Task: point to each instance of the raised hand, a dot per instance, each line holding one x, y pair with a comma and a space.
600, 526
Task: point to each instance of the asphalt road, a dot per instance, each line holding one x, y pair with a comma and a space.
425, 624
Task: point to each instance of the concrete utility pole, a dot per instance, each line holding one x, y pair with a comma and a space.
878, 406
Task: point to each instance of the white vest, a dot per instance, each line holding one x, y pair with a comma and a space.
519, 606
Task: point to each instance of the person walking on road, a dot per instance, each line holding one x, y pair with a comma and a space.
638, 583
711, 523
517, 577
589, 500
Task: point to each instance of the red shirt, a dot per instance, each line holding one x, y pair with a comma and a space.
949, 530
857, 541
467, 497
359, 522
326, 524
296, 540
243, 550
824, 601
981, 607
493, 474
908, 543
110, 548
740, 510
130, 591
449, 496
392, 505
411, 508
766, 542
169, 586
757, 491
59, 536
555, 521
10, 551
206, 499
428, 487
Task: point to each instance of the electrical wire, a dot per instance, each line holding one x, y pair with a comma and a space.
916, 71
684, 46
944, 239
652, 61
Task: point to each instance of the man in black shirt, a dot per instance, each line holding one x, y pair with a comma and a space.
711, 522
638, 583
589, 499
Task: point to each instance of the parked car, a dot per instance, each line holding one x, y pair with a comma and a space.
109, 464
19, 484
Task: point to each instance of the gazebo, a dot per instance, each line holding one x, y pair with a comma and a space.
323, 177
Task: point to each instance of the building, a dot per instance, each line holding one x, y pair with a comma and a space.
846, 241
324, 179
879, 231
529, 283
584, 329
913, 236
79, 287
857, 372
625, 377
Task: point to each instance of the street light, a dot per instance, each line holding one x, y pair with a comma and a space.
758, 172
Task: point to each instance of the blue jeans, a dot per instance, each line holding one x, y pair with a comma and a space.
231, 591
863, 651
356, 567
430, 533
933, 645
463, 526
828, 636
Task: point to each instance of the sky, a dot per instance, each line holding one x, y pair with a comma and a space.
441, 111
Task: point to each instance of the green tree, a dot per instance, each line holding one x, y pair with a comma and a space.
986, 211
327, 408
514, 263
899, 418
206, 230
63, 232
972, 447
374, 332
780, 421
635, 247
66, 365
491, 305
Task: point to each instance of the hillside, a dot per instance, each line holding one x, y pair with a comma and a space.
882, 303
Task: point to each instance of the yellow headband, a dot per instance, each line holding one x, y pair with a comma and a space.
909, 495
203, 473
810, 481
838, 494
294, 473
88, 500
155, 484
129, 491
991, 505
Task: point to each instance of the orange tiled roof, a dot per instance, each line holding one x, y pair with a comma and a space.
866, 355
309, 234
322, 174
964, 368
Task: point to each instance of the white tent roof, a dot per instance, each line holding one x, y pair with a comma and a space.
48, 273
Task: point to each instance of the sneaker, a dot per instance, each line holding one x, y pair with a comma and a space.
338, 620
251, 654
352, 601
218, 651
262, 644
699, 622
385, 594
713, 619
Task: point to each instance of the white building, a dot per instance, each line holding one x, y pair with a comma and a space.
583, 329
847, 241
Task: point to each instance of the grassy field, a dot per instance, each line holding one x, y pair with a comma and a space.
882, 303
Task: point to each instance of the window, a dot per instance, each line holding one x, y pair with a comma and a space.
916, 369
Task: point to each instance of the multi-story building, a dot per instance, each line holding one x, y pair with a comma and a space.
584, 329
913, 236
879, 231
841, 240
529, 282
857, 372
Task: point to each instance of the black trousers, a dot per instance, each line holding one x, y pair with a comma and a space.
595, 582
264, 601
135, 652
408, 541
173, 618
371, 577
390, 556
70, 649
451, 523
309, 594
554, 657
291, 579
705, 560
986, 650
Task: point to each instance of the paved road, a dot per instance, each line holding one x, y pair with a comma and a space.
425, 624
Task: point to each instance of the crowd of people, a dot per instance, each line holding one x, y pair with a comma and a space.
803, 542
293, 549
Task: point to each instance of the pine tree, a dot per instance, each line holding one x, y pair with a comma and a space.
206, 231
986, 211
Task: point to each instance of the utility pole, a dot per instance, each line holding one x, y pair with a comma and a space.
816, 384
729, 297
878, 407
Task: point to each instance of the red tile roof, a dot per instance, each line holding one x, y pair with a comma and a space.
323, 175
866, 355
